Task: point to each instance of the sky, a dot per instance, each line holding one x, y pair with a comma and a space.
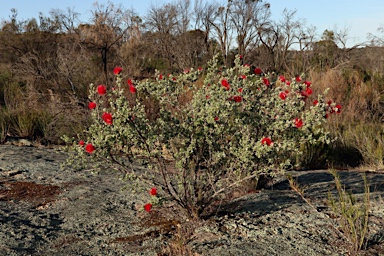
360, 17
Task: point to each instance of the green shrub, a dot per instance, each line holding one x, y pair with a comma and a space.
204, 139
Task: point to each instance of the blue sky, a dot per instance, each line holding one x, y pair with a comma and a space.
362, 17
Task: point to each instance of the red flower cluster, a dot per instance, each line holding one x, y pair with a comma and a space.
101, 89
153, 191
266, 141
81, 143
89, 148
225, 84
266, 81
132, 88
298, 122
117, 70
283, 95
237, 98
258, 71
107, 117
92, 105
148, 207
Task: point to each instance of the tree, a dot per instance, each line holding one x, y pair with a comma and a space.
107, 31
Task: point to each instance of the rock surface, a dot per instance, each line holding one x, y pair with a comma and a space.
47, 210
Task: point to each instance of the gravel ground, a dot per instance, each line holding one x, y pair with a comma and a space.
46, 210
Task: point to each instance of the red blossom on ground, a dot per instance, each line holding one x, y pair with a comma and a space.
89, 148
107, 117
298, 122
129, 82
91, 105
153, 191
283, 95
117, 70
298, 79
329, 102
240, 90
216, 119
266, 81
199, 68
101, 89
160, 77
81, 143
225, 84
315, 102
148, 207
186, 71
207, 97
288, 83
282, 79
243, 77
258, 71
266, 141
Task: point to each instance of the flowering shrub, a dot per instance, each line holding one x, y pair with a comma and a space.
203, 141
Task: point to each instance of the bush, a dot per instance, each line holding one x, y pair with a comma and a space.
203, 140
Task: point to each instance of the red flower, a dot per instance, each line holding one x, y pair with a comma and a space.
129, 82
237, 98
153, 191
337, 109
148, 207
307, 92
266, 81
257, 71
199, 68
288, 83
243, 77
240, 90
160, 77
282, 79
186, 71
283, 95
298, 123
132, 89
89, 148
241, 57
329, 102
216, 119
81, 143
92, 105
117, 70
298, 79
101, 89
207, 97
225, 84
307, 83
107, 117
315, 102
267, 141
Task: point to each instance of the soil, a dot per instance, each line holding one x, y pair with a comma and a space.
49, 210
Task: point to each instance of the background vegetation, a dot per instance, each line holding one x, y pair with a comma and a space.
47, 63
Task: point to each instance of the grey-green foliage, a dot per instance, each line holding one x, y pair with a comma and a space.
202, 140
